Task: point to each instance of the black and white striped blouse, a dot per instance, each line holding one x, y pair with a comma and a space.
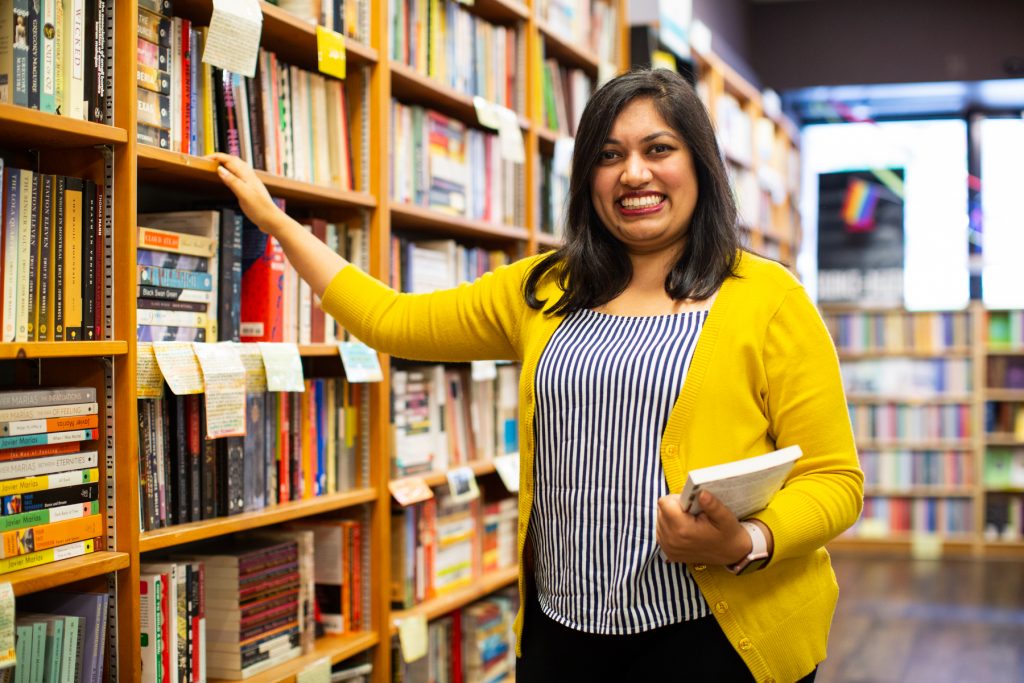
605, 386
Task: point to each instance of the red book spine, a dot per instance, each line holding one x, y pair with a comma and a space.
262, 317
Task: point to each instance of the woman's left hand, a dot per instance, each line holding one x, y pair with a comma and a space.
712, 537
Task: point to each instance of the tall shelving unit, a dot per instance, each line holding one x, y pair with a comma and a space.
110, 153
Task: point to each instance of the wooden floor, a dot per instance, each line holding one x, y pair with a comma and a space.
907, 621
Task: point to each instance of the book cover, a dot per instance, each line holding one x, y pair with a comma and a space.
262, 305
744, 486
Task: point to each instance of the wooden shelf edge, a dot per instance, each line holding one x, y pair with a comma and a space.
479, 467
546, 240
39, 127
411, 216
196, 531
10, 350
872, 399
437, 607
60, 573
337, 648
563, 49
919, 492
203, 170
324, 350
275, 15
910, 353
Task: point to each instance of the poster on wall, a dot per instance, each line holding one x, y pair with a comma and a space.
860, 239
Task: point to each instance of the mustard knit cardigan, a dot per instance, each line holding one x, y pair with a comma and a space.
764, 375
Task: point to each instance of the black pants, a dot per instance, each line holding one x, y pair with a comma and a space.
691, 651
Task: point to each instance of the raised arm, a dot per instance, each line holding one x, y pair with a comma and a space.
471, 322
315, 262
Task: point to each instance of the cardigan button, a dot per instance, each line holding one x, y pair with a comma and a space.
722, 607
699, 567
769, 680
745, 644
670, 449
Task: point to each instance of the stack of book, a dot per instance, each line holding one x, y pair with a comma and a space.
566, 91
343, 16
52, 257
49, 476
179, 276
172, 611
60, 637
420, 266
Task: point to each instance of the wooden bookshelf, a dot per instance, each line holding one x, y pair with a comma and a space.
335, 648
34, 129
1004, 394
179, 534
81, 349
410, 217
564, 51
54, 575
458, 598
876, 399
924, 354
479, 467
192, 171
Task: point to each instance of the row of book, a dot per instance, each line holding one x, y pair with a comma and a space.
590, 23
231, 610
565, 92
1004, 418
1004, 517
52, 256
904, 422
296, 446
908, 377
284, 120
346, 17
475, 644
53, 56
441, 163
899, 331
442, 418
59, 638
211, 275
893, 515
1004, 468
50, 484
445, 41
1005, 329
420, 266
1004, 372
442, 544
554, 196
903, 469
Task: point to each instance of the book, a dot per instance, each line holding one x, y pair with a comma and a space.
744, 486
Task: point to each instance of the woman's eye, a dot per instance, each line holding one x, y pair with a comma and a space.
660, 149
608, 155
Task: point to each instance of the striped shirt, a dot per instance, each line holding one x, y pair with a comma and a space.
605, 386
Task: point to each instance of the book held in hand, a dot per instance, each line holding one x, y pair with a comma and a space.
744, 486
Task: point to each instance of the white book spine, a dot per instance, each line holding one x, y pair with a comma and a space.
69, 410
12, 205
24, 223
75, 48
33, 467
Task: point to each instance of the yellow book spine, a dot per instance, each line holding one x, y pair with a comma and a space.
63, 552
48, 481
72, 263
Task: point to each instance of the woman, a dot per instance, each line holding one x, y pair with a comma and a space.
650, 345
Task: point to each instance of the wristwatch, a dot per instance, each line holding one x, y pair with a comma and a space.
758, 555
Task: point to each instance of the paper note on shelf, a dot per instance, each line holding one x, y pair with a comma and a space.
486, 113
510, 136
233, 37
412, 635
744, 486
483, 370
410, 490
360, 361
7, 656
149, 381
284, 366
507, 467
317, 672
224, 383
179, 366
330, 52
255, 373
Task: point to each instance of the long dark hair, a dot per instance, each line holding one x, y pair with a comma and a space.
591, 266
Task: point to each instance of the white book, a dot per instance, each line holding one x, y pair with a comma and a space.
744, 486
11, 209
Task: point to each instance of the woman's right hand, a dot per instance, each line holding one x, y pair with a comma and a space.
251, 192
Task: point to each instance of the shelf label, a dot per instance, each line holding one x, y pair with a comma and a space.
255, 373
317, 672
224, 384
283, 365
925, 546
462, 484
7, 655
330, 52
410, 490
507, 467
233, 39
510, 135
361, 362
178, 363
486, 114
149, 382
412, 635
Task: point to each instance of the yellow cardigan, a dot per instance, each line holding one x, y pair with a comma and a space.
764, 376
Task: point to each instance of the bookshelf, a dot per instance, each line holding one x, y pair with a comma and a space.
970, 357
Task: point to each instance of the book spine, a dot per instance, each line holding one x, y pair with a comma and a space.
29, 519
50, 498
33, 398
166, 259
168, 305
173, 294
58, 259
150, 316
24, 252
230, 289
48, 61
40, 439
53, 424
38, 451
194, 449
89, 262
12, 210
73, 213
37, 558
162, 333
42, 537
97, 43
45, 482
35, 467
22, 71
33, 260
45, 325
176, 278
74, 23
35, 43
100, 267
47, 412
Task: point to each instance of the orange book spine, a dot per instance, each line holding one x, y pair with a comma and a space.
44, 536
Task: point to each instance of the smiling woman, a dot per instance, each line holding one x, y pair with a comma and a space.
650, 345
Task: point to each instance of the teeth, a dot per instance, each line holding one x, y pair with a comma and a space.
641, 202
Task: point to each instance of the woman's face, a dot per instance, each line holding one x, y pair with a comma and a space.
644, 185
